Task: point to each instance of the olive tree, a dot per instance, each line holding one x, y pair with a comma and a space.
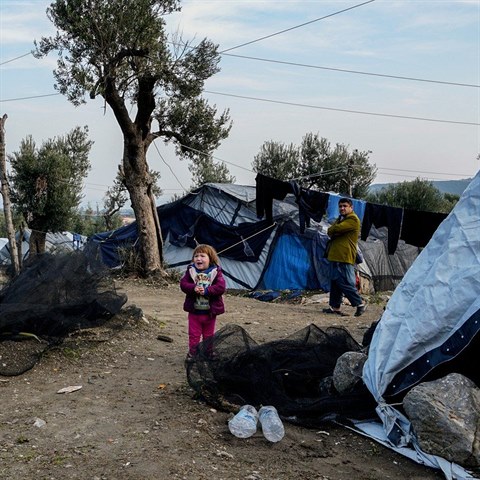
120, 50
315, 163
418, 194
277, 160
205, 170
47, 183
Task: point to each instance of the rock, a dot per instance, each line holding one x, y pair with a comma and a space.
348, 371
39, 423
445, 416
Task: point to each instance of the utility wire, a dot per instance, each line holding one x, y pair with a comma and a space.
16, 58
305, 65
215, 158
295, 27
169, 167
29, 98
403, 175
420, 171
357, 72
360, 112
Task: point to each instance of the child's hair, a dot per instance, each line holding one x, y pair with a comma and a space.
209, 250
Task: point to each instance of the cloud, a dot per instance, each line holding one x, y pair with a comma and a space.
21, 28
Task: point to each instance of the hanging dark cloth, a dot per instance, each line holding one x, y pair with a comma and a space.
383, 216
268, 189
311, 205
418, 227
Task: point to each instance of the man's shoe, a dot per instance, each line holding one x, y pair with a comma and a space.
361, 310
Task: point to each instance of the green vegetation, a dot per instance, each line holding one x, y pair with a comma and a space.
47, 183
418, 194
315, 163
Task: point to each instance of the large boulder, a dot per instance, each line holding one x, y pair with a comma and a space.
445, 416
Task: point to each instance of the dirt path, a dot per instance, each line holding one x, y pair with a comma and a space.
135, 416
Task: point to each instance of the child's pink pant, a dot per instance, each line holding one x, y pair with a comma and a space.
199, 325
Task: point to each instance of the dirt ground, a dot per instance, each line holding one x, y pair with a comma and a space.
135, 416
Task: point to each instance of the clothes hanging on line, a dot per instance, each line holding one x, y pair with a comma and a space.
419, 227
311, 205
268, 189
383, 216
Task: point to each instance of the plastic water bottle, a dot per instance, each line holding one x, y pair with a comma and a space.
272, 426
244, 423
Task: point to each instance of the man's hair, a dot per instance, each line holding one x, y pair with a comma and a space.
346, 200
209, 250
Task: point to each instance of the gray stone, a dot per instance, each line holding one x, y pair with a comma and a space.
348, 371
445, 418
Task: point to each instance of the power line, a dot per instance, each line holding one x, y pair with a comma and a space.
215, 158
360, 112
295, 27
431, 178
16, 58
357, 72
29, 98
420, 171
169, 167
304, 65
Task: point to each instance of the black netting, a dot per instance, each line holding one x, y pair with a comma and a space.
52, 296
293, 374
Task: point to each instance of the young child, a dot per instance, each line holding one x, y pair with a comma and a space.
203, 284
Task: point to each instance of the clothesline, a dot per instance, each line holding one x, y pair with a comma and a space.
414, 227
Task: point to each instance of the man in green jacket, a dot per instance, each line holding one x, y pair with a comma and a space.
342, 251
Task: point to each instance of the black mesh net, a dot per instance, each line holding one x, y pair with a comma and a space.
293, 374
51, 297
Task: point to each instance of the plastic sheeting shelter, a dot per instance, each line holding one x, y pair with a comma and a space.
55, 242
431, 323
253, 253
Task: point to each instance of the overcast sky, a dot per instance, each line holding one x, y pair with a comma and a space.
319, 70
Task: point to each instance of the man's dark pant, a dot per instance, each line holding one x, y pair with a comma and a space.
342, 283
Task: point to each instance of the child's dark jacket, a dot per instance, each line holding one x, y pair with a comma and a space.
214, 291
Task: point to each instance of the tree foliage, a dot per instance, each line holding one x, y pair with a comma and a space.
47, 181
120, 50
316, 164
277, 160
418, 194
205, 170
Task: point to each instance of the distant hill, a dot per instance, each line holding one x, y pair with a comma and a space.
445, 186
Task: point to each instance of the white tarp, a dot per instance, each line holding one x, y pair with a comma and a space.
437, 296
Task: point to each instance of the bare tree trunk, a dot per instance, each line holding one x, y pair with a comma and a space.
21, 236
139, 183
7, 206
36, 243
